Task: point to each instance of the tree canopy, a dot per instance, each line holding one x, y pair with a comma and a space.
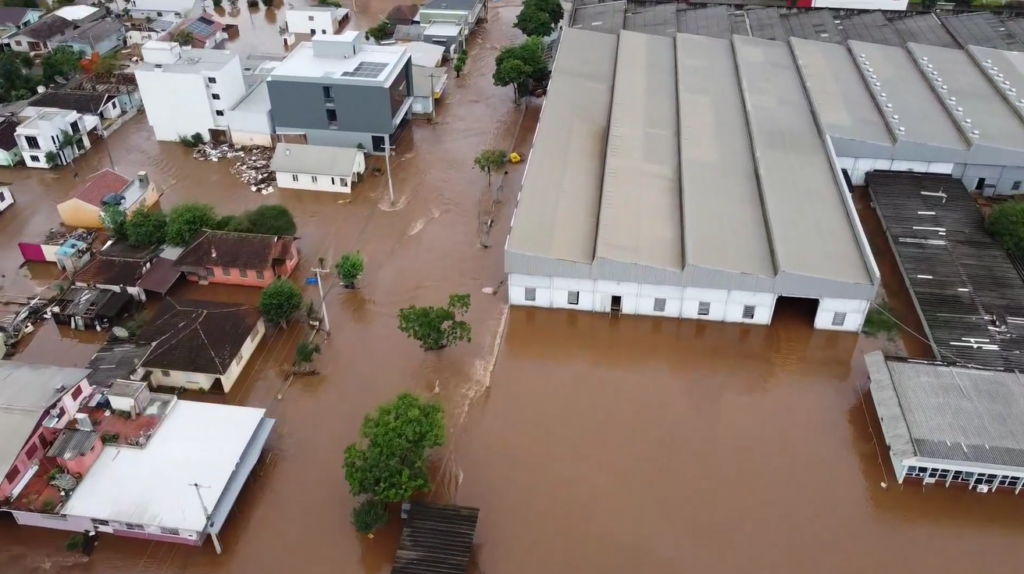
185, 220
350, 268
489, 160
146, 228
533, 21
279, 301
515, 65
271, 220
1006, 223
15, 81
369, 515
437, 327
389, 462
115, 220
63, 61
378, 33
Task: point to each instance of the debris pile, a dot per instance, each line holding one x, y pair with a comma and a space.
252, 163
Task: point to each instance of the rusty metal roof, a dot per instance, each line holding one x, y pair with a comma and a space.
437, 539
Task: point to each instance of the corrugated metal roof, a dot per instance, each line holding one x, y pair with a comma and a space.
796, 174
561, 193
955, 413
640, 219
436, 539
718, 174
314, 159
72, 443
838, 92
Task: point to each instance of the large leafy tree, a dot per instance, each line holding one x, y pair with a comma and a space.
489, 161
437, 327
552, 8
63, 61
350, 268
389, 462
533, 21
185, 220
1006, 223
515, 65
115, 220
15, 81
271, 220
280, 301
146, 228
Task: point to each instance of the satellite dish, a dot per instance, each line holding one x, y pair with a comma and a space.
120, 332
65, 482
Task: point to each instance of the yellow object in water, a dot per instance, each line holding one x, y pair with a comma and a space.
515, 158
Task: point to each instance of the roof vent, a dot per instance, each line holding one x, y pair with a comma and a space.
924, 58
901, 129
967, 121
888, 106
878, 84
988, 62
1020, 102
882, 95
895, 117
976, 132
929, 66
995, 69
959, 109
952, 98
862, 56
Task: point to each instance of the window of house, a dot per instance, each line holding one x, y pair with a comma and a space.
170, 531
210, 272
252, 336
312, 178
211, 80
259, 275
225, 271
159, 14
659, 305
703, 309
165, 373
531, 293
333, 182
332, 118
135, 527
328, 94
113, 105
3, 196
17, 43
342, 182
838, 319
243, 273
32, 142
574, 297
80, 146
295, 177
310, 18
12, 475
323, 31
76, 392
98, 522
56, 142
215, 96
33, 158
748, 311
75, 128
31, 451
219, 112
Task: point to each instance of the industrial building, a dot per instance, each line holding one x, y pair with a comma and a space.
946, 424
684, 178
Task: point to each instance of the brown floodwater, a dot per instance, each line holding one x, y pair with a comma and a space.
594, 445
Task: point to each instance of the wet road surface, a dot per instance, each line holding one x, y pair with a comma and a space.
594, 446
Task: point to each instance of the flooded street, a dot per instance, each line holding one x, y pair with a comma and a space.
595, 445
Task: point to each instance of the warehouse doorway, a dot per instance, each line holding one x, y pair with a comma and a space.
795, 310
616, 304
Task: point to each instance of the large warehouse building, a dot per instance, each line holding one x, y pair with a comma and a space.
684, 178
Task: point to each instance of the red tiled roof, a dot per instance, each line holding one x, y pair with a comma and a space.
101, 185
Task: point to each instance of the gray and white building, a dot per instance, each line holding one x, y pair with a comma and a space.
685, 177
338, 91
946, 424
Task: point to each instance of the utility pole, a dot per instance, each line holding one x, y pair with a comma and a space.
206, 513
387, 162
320, 286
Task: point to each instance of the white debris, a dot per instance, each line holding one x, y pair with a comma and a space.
252, 164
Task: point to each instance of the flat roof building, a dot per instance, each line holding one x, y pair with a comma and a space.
948, 424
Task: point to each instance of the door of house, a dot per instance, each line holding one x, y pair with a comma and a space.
378, 144
616, 304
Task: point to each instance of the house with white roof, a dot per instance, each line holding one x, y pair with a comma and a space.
338, 91
169, 9
42, 137
315, 20
429, 76
189, 91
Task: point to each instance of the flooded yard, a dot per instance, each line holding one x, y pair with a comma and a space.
594, 445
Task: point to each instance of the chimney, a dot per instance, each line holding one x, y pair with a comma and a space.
213, 252
83, 421
143, 179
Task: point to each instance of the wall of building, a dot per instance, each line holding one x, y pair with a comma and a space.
311, 21
82, 464
46, 134
182, 104
77, 213
136, 292
895, 5
250, 128
142, 13
428, 16
841, 315
335, 183
252, 138
252, 278
108, 44
10, 158
55, 521
229, 378
183, 379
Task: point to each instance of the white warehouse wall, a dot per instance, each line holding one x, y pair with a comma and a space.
176, 104
855, 311
858, 168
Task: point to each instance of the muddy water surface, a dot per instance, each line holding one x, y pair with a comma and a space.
595, 445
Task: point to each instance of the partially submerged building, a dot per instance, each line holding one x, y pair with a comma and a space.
250, 259
615, 213
950, 424
95, 309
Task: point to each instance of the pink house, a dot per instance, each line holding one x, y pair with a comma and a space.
36, 403
247, 259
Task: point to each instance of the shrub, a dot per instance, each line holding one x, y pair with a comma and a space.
1006, 224
369, 515
280, 301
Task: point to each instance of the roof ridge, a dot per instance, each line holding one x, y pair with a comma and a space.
208, 345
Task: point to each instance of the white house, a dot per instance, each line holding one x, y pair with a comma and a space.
197, 344
160, 9
140, 32
6, 197
249, 119
43, 133
14, 18
42, 35
429, 77
317, 168
188, 91
315, 20
10, 151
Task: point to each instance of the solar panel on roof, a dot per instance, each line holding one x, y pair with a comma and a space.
368, 70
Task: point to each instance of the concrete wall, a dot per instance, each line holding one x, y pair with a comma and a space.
299, 106
312, 22
250, 128
337, 184
155, 11
183, 104
855, 313
57, 522
999, 180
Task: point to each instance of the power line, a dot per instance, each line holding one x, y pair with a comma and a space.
914, 333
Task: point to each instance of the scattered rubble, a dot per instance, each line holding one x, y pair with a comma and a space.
252, 163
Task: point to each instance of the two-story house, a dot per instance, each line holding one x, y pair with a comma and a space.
42, 35
249, 259
42, 138
14, 18
465, 12
160, 9
188, 91
338, 91
315, 20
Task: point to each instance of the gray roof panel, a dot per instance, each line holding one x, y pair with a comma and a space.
923, 29
818, 25
869, 27
903, 92
983, 29
607, 18
717, 167
561, 194
836, 88
640, 220
808, 222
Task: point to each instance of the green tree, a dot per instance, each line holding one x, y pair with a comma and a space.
115, 220
460, 63
533, 21
552, 8
350, 268
378, 33
146, 228
280, 301
389, 462
369, 515
1006, 223
437, 327
516, 65
184, 38
271, 220
51, 158
305, 351
61, 61
21, 3
106, 65
185, 220
70, 141
15, 81
490, 160
236, 224
512, 73
218, 3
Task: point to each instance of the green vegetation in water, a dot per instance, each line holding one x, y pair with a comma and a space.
879, 322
